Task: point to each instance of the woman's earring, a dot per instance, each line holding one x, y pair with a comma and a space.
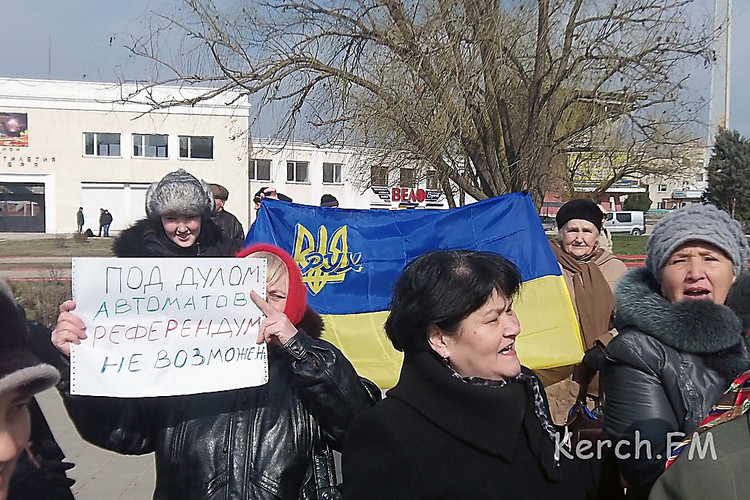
445, 362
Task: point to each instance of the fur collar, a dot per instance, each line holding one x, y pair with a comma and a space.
146, 238
311, 323
699, 327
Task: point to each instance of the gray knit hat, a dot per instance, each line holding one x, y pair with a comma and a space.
179, 193
696, 223
18, 366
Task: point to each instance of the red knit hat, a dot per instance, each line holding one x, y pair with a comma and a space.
296, 300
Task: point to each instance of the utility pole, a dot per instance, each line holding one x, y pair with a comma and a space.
719, 111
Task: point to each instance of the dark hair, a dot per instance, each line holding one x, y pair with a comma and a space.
442, 288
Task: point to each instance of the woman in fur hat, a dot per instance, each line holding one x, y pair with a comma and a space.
679, 345
177, 224
268, 442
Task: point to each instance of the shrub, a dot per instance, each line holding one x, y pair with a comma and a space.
41, 298
61, 240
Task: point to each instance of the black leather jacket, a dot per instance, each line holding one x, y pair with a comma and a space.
230, 226
267, 442
669, 364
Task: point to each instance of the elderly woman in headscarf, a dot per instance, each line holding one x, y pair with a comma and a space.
679, 345
590, 273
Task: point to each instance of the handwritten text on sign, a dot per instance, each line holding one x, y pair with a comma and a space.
162, 327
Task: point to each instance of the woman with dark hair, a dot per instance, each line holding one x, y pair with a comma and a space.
465, 420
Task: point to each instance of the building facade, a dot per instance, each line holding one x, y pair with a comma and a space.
357, 177
66, 144
100, 145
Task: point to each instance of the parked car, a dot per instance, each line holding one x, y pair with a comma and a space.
626, 222
548, 222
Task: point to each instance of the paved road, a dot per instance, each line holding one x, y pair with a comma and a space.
34, 268
99, 474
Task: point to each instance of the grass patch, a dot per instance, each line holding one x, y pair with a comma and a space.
41, 298
627, 244
57, 247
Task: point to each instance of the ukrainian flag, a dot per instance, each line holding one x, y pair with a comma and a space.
350, 260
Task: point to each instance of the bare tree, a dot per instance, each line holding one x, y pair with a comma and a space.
487, 93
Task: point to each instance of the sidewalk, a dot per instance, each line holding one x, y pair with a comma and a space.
34, 268
99, 474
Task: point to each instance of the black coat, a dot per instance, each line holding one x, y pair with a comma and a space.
268, 442
667, 367
146, 238
435, 436
230, 226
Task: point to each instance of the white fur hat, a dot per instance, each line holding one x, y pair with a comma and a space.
179, 193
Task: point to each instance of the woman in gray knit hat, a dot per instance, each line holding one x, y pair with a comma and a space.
22, 375
679, 345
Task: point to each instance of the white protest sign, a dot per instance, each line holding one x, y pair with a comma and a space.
167, 326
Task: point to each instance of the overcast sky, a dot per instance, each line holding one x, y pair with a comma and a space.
84, 40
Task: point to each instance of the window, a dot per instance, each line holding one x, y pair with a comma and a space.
661, 188
624, 217
100, 144
260, 170
150, 146
406, 177
196, 147
331, 173
432, 179
296, 171
378, 176
699, 177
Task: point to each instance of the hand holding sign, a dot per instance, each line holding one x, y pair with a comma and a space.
153, 327
69, 329
276, 327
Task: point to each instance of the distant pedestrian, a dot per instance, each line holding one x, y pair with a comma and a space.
227, 222
268, 192
328, 200
106, 220
101, 221
79, 219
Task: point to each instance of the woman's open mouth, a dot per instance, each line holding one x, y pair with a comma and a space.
508, 350
697, 293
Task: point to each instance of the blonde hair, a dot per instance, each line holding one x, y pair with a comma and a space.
275, 267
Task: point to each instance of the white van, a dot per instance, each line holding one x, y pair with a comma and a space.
626, 222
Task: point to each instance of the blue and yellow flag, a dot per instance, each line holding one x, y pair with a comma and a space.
350, 260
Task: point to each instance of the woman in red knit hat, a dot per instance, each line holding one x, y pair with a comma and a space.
268, 442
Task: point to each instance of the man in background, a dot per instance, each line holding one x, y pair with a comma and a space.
227, 222
328, 200
105, 220
79, 219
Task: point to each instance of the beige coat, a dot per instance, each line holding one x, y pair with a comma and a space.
612, 269
561, 390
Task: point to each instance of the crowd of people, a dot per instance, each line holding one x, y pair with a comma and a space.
466, 419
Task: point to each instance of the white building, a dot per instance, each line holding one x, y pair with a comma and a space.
65, 145
677, 190
305, 172
69, 144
